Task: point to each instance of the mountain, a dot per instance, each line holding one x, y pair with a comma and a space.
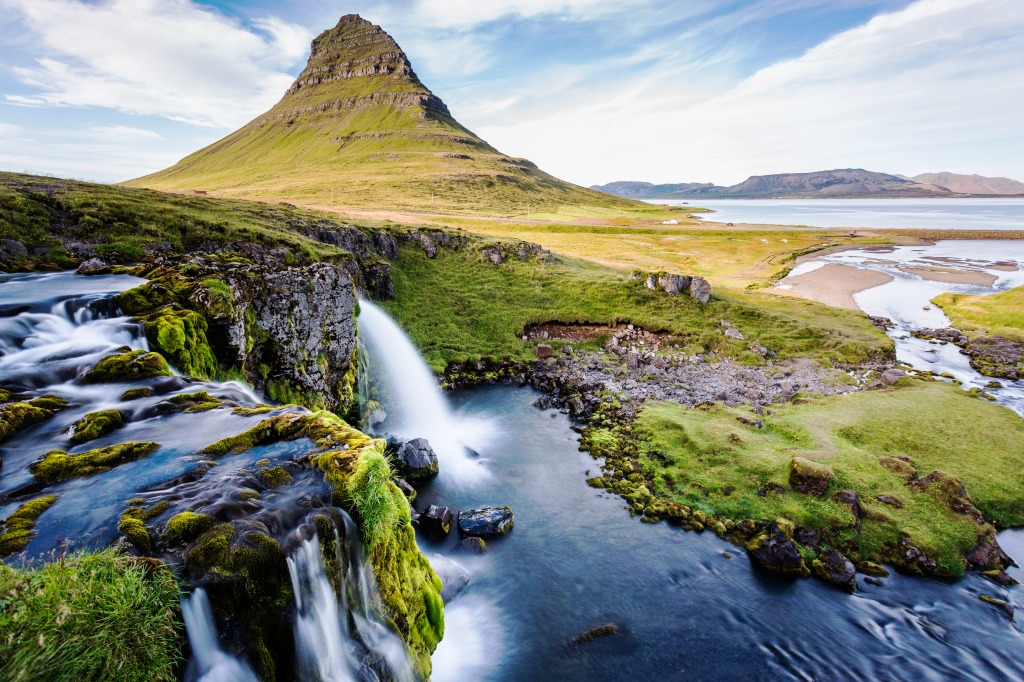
843, 183
646, 190
359, 129
971, 184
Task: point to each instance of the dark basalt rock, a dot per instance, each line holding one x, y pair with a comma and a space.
417, 460
850, 500
834, 568
1004, 606
889, 500
809, 477
486, 522
807, 536
774, 551
987, 554
454, 578
436, 521
471, 545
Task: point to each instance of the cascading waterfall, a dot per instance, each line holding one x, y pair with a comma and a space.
420, 409
209, 662
328, 649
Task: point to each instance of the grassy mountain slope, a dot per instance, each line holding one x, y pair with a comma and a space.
358, 128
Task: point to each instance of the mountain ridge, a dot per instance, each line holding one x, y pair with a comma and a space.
358, 127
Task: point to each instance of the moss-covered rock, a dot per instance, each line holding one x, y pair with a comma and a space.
16, 530
275, 477
325, 429
137, 393
180, 335
807, 476
50, 402
186, 526
96, 424
199, 401
16, 416
58, 465
127, 366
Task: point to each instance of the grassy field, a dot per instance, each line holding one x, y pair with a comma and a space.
715, 463
460, 307
999, 314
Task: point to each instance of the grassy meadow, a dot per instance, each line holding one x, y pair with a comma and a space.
999, 314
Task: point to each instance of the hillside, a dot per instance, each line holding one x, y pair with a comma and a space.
971, 184
646, 190
843, 183
357, 128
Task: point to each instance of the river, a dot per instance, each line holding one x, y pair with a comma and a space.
942, 214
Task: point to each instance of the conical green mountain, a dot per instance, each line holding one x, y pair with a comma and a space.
359, 129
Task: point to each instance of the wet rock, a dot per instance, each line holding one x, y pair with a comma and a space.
595, 633
875, 581
1000, 578
1004, 606
91, 266
128, 366
835, 569
809, 477
486, 522
454, 577
774, 551
987, 554
96, 424
872, 569
807, 536
913, 560
544, 350
417, 460
407, 490
471, 545
436, 521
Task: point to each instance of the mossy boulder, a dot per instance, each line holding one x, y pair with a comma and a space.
96, 424
275, 477
835, 569
132, 523
180, 335
50, 402
131, 365
186, 526
772, 550
199, 401
58, 465
807, 476
17, 529
16, 416
137, 394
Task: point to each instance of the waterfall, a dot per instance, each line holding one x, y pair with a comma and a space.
419, 408
328, 649
209, 662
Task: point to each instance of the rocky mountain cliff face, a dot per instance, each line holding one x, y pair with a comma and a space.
358, 128
971, 184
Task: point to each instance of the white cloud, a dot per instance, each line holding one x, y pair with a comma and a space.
169, 58
934, 85
120, 133
463, 14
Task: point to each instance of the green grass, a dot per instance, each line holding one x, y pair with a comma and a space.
715, 463
380, 505
458, 307
999, 314
101, 616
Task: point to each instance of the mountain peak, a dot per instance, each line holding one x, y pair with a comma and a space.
358, 126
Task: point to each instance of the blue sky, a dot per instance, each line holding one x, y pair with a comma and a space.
591, 90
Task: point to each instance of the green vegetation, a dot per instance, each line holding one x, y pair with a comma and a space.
99, 616
16, 416
130, 365
200, 401
186, 526
58, 465
381, 505
133, 522
999, 314
877, 443
137, 393
181, 336
96, 424
16, 529
458, 307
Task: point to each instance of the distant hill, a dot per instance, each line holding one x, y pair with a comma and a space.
647, 190
359, 129
843, 183
971, 184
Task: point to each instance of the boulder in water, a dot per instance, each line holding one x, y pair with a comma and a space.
834, 568
454, 578
91, 266
774, 551
486, 522
471, 545
436, 521
96, 424
128, 366
596, 633
417, 459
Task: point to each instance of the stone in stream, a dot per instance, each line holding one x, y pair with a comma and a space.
454, 578
1002, 605
834, 568
471, 545
486, 522
773, 551
436, 521
595, 633
417, 460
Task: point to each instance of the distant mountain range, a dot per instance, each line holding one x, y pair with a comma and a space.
845, 183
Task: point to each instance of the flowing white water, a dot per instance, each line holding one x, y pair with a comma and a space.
328, 649
209, 662
420, 409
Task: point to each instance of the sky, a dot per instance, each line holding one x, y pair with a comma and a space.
591, 90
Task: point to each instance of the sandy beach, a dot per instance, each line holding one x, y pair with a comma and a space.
832, 284
952, 276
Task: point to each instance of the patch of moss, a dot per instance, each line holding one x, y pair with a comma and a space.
96, 424
252, 411
16, 529
136, 394
16, 416
185, 526
5, 395
325, 429
58, 465
50, 402
199, 401
128, 366
181, 335
276, 477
